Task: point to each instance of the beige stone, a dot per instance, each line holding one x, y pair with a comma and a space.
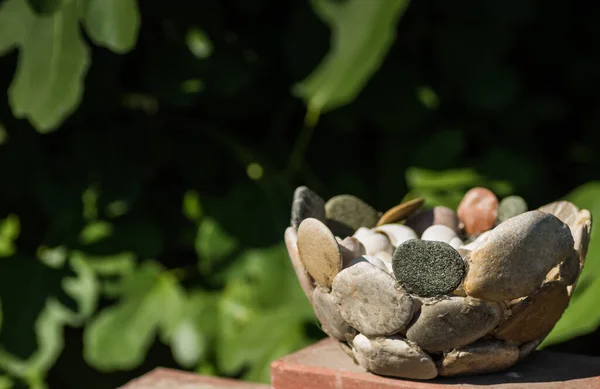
319, 251
305, 280
478, 358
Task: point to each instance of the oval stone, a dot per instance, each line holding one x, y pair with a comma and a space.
478, 358
401, 211
511, 206
376, 243
350, 211
351, 248
370, 300
516, 256
453, 322
394, 357
439, 233
319, 251
305, 280
329, 316
533, 317
478, 210
438, 215
371, 259
396, 233
428, 268
565, 211
305, 204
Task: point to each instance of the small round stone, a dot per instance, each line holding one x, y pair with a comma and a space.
428, 268
329, 316
376, 243
453, 322
514, 259
401, 211
438, 215
371, 259
305, 204
396, 233
319, 251
533, 317
439, 233
478, 210
478, 358
394, 357
350, 248
565, 211
350, 211
370, 300
305, 280
511, 206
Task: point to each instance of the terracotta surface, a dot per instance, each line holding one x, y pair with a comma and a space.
173, 379
325, 366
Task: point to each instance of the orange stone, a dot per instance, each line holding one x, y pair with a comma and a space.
478, 210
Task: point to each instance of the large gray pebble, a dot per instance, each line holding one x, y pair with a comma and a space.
516, 256
478, 358
305, 279
394, 357
329, 316
453, 322
306, 204
370, 300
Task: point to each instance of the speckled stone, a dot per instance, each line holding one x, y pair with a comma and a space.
517, 255
511, 206
401, 211
439, 215
478, 211
370, 300
393, 356
351, 248
306, 204
428, 268
533, 317
565, 211
396, 233
319, 251
439, 233
305, 280
478, 358
350, 211
453, 322
329, 316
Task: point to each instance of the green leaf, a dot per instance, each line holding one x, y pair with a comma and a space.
362, 32
212, 243
48, 83
52, 257
192, 207
582, 316
113, 24
5, 382
16, 18
9, 231
84, 288
95, 232
46, 7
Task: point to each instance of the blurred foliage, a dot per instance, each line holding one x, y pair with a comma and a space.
149, 152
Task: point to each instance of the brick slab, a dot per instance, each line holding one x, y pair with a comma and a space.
325, 366
174, 379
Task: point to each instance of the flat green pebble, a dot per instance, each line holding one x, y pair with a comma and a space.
428, 268
511, 206
350, 212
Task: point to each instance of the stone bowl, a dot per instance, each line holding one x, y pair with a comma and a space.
417, 293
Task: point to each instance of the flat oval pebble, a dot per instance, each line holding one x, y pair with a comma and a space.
453, 322
319, 251
305, 280
534, 316
478, 358
305, 204
428, 268
565, 211
516, 256
370, 259
393, 357
439, 233
351, 212
511, 206
438, 215
396, 233
351, 248
376, 243
401, 211
478, 210
329, 316
370, 300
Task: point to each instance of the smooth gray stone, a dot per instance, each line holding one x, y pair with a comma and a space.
393, 356
351, 212
453, 322
305, 204
478, 358
329, 316
370, 300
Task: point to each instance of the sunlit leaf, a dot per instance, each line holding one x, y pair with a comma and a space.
212, 243
84, 288
95, 232
192, 208
53, 59
46, 7
199, 43
9, 231
113, 24
53, 257
15, 20
362, 32
188, 344
6, 382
